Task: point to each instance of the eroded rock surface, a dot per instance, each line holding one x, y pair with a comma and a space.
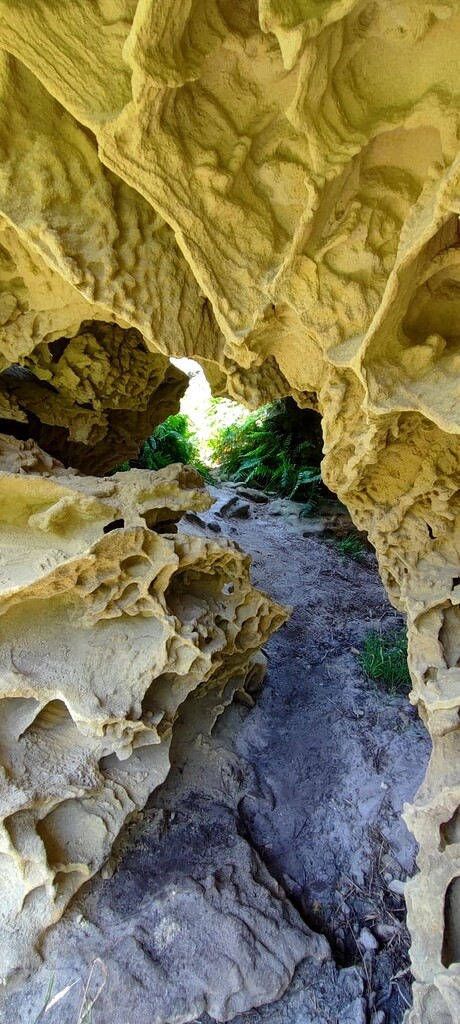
271, 187
106, 626
92, 399
312, 778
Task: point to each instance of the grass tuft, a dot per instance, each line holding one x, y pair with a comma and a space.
351, 547
384, 658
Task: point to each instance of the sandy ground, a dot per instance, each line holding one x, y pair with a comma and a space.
300, 795
335, 756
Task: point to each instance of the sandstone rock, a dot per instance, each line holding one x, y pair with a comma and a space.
93, 398
107, 625
274, 189
223, 941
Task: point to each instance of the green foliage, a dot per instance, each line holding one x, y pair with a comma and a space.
267, 450
171, 441
384, 658
351, 547
310, 504
47, 1000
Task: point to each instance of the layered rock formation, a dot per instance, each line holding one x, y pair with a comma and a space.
273, 188
106, 626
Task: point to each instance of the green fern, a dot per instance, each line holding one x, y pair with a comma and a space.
171, 441
277, 448
309, 506
310, 475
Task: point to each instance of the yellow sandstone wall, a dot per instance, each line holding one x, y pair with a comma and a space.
107, 624
273, 188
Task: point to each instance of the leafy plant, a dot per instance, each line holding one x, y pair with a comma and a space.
310, 504
351, 547
384, 658
171, 441
277, 448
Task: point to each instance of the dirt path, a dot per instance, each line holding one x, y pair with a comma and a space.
304, 790
335, 756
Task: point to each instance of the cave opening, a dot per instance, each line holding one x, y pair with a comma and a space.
361, 747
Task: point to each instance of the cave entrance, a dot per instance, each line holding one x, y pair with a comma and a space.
276, 448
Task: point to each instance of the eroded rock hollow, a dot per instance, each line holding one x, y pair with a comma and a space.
272, 188
107, 626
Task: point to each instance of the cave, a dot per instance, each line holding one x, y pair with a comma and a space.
271, 189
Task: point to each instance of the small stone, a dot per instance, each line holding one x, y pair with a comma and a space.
367, 940
385, 932
378, 1017
350, 984
396, 886
239, 511
215, 527
284, 507
253, 495
193, 517
227, 505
